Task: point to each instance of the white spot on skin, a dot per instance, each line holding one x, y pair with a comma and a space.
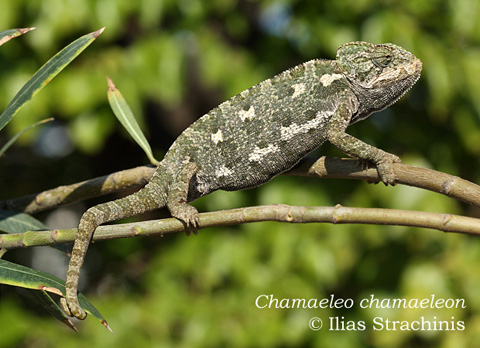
327, 79
286, 133
299, 90
250, 114
217, 137
310, 64
202, 186
186, 160
223, 171
245, 93
266, 83
386, 77
259, 153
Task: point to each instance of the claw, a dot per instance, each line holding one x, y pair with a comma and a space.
192, 225
65, 308
72, 308
189, 216
385, 169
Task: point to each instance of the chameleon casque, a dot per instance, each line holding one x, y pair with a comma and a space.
262, 132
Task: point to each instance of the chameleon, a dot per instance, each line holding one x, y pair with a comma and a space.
262, 132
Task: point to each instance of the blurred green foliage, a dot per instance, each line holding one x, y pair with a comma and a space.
175, 60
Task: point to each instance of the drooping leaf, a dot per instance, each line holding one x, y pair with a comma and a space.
122, 111
9, 34
45, 74
51, 307
24, 277
16, 136
15, 222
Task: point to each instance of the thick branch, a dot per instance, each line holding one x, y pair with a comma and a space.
449, 185
280, 213
324, 167
115, 182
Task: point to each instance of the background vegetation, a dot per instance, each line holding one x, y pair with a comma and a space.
174, 61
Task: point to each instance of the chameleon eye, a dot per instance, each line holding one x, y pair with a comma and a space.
383, 61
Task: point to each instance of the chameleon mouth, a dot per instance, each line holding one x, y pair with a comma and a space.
414, 68
405, 73
413, 71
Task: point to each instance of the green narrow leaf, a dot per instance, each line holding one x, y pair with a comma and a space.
45, 74
7, 35
15, 222
51, 307
16, 136
24, 277
125, 116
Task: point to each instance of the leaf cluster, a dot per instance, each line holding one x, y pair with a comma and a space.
13, 222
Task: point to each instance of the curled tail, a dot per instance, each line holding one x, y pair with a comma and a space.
152, 196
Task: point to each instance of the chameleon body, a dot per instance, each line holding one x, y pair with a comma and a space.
262, 132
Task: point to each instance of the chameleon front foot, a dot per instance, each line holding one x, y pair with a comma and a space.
188, 215
177, 199
385, 168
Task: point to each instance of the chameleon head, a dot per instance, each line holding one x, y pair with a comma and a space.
379, 74
378, 66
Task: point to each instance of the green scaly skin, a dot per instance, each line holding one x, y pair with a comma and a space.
151, 197
262, 132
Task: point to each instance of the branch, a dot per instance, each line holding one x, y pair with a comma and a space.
428, 179
115, 182
280, 213
323, 167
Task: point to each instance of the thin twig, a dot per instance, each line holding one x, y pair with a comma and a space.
280, 213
